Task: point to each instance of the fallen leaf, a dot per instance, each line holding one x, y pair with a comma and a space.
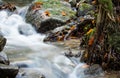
47, 13
91, 30
63, 13
91, 40
37, 5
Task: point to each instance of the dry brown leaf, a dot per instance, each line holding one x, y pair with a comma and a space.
91, 30
91, 40
37, 5
47, 13
63, 13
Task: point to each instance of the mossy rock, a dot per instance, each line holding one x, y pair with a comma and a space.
45, 15
85, 8
56, 7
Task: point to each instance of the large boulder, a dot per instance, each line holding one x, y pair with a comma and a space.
46, 15
8, 71
2, 42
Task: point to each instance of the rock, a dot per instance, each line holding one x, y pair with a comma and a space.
85, 9
2, 42
49, 24
4, 59
8, 71
30, 73
94, 70
47, 15
57, 33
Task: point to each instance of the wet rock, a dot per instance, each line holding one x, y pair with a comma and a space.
2, 42
47, 15
94, 70
30, 73
4, 59
8, 71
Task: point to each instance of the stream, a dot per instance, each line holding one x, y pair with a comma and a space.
29, 51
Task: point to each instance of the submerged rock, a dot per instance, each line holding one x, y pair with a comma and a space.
4, 59
8, 71
47, 15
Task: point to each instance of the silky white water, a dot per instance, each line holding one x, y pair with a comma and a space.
26, 46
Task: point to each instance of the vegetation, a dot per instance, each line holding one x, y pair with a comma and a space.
105, 48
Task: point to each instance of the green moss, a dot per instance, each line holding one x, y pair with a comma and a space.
85, 6
55, 7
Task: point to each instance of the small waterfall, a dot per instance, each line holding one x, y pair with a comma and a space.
26, 48
46, 58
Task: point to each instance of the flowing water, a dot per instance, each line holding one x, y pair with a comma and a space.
29, 50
